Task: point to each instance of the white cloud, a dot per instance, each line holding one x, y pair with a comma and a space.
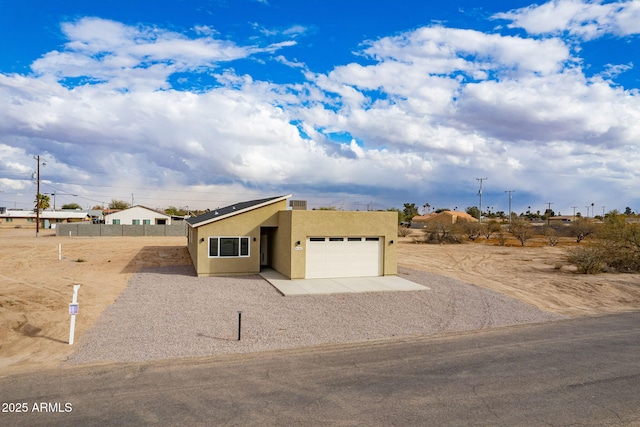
581, 18
440, 50
130, 57
433, 108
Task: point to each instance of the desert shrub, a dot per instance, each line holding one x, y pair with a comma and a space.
502, 238
588, 259
551, 236
490, 227
616, 248
521, 230
581, 228
471, 229
404, 232
440, 233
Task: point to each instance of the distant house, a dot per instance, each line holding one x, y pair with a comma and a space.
137, 215
247, 236
561, 219
48, 219
444, 218
96, 215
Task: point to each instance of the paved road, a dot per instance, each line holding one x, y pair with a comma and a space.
581, 371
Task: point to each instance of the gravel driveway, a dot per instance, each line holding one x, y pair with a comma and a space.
169, 312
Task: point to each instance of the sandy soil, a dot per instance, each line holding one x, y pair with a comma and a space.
536, 273
36, 287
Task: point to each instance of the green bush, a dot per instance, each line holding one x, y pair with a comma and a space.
615, 249
588, 259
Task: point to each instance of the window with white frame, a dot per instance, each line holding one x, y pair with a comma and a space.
135, 222
226, 247
116, 222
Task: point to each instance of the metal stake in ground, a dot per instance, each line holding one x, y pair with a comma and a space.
239, 324
73, 310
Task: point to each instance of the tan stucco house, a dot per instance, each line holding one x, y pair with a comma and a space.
247, 236
444, 218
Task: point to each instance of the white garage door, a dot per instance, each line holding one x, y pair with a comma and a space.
344, 257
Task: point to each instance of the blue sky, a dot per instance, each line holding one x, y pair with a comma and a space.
347, 103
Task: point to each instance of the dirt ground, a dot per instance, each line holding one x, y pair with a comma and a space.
36, 286
536, 273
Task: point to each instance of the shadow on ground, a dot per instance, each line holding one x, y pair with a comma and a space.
159, 256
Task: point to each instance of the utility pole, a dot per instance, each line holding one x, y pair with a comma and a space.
480, 194
549, 212
38, 197
574, 213
54, 197
509, 191
587, 210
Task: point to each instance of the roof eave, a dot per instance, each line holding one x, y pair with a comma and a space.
239, 211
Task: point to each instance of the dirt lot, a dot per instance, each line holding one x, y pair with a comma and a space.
36, 287
536, 273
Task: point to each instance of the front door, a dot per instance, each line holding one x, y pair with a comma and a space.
264, 251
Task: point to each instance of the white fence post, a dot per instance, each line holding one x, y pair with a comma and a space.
73, 310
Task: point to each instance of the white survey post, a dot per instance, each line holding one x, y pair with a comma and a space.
73, 310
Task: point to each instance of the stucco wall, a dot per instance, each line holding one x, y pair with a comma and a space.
292, 226
305, 224
282, 245
243, 224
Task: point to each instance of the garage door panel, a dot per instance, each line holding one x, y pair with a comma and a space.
344, 257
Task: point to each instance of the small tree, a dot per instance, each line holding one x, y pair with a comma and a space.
581, 228
404, 232
521, 230
473, 211
440, 233
118, 204
471, 229
42, 202
502, 238
551, 236
71, 206
410, 210
488, 228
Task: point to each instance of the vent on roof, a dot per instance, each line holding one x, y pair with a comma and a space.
298, 204
215, 212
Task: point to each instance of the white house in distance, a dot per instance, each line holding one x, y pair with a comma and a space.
137, 215
48, 219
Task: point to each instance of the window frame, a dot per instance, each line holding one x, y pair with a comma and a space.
240, 247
